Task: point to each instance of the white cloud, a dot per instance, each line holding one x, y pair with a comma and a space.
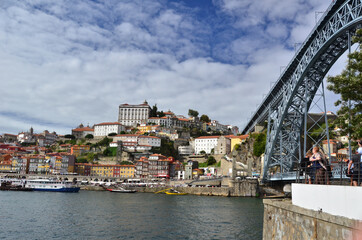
63, 65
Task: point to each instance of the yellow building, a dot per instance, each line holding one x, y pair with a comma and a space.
5, 167
14, 165
44, 168
101, 170
237, 140
126, 171
144, 128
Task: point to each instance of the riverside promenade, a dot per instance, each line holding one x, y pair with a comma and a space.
226, 188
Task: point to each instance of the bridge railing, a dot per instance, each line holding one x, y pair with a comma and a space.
337, 173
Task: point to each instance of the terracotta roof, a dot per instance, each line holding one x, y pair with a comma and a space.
127, 135
205, 137
242, 137
83, 129
144, 136
103, 165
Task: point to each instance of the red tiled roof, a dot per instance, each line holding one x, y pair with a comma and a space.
242, 137
204, 137
8, 134
83, 129
127, 135
144, 136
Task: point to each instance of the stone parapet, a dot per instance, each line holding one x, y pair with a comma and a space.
283, 220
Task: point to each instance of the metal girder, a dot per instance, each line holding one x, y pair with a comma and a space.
286, 102
340, 15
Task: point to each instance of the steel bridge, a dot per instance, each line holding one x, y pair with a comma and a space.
288, 102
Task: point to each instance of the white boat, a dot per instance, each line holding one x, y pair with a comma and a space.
121, 190
49, 185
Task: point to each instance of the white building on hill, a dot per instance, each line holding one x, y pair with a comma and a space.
131, 115
206, 143
103, 129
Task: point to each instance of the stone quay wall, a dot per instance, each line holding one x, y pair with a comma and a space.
243, 188
283, 220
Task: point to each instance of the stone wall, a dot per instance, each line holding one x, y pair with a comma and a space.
283, 220
243, 188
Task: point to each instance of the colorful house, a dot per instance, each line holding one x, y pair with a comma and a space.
77, 150
237, 140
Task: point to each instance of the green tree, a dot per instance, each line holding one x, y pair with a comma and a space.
210, 160
104, 142
166, 148
204, 118
110, 152
72, 141
317, 132
237, 147
69, 136
153, 112
89, 136
259, 144
126, 163
349, 85
81, 160
161, 114
193, 113
91, 157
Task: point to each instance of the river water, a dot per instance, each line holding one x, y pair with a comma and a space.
106, 215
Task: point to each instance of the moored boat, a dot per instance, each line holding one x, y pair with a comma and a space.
174, 192
121, 190
50, 185
8, 186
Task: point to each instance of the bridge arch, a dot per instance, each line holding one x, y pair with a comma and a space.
290, 98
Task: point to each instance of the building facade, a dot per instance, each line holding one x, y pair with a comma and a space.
103, 129
185, 150
82, 132
131, 115
205, 143
222, 146
149, 140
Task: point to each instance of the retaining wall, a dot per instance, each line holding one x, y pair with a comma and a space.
243, 188
283, 220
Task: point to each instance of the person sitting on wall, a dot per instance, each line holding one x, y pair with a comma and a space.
318, 168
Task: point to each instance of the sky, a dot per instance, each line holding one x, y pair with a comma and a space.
67, 62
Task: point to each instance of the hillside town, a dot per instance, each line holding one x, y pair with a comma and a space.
144, 143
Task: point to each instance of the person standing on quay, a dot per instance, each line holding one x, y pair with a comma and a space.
359, 150
318, 170
357, 165
306, 167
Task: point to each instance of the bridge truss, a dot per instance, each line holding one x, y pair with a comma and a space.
289, 100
